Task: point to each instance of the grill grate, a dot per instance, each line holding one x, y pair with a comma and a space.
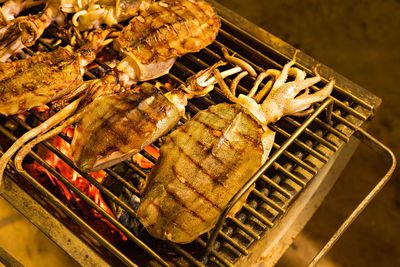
302, 146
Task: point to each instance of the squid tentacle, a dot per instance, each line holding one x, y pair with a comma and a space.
42, 128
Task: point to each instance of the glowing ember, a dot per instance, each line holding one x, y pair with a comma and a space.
75, 178
41, 108
142, 161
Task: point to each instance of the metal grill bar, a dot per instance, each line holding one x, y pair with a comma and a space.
276, 186
245, 228
216, 254
290, 175
297, 160
301, 144
258, 215
122, 181
332, 130
268, 201
313, 135
233, 243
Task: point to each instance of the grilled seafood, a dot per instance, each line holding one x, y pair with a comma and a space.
160, 37
165, 30
45, 77
207, 160
11, 8
151, 43
24, 31
108, 12
119, 112
138, 117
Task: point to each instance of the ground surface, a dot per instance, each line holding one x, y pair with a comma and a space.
358, 39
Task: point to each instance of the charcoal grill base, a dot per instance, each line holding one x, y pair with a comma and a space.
50, 226
267, 251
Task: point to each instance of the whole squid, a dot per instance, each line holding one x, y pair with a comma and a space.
207, 160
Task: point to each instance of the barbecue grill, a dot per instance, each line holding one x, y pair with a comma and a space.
307, 157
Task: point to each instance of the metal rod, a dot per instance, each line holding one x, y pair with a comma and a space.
233, 243
376, 145
307, 167
290, 175
318, 138
184, 253
8, 260
301, 144
258, 215
279, 188
334, 131
270, 202
217, 255
245, 228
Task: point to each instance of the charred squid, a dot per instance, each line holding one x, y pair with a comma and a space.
45, 77
207, 160
24, 31
164, 32
118, 123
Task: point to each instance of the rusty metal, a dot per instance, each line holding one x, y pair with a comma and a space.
302, 152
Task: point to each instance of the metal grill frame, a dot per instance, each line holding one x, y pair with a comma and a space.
366, 106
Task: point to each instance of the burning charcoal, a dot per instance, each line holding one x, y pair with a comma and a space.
127, 220
122, 216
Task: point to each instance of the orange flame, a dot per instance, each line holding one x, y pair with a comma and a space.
75, 178
42, 108
144, 162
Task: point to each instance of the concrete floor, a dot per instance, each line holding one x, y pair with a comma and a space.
358, 39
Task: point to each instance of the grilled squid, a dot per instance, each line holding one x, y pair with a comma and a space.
164, 31
207, 160
45, 77
109, 12
22, 32
11, 8
135, 118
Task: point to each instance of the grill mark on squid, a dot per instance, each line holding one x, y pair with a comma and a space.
209, 151
204, 146
186, 22
171, 220
175, 198
215, 180
121, 136
191, 187
147, 116
250, 139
